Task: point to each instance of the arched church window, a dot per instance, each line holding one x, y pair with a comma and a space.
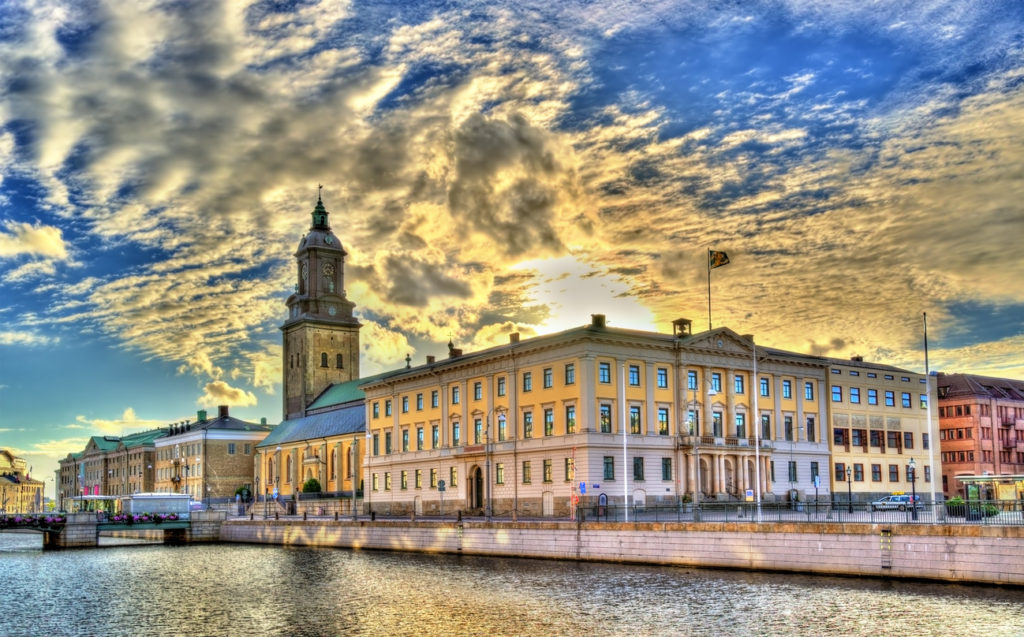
288, 469
270, 472
337, 362
323, 359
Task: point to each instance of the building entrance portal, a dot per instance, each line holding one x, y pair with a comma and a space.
476, 488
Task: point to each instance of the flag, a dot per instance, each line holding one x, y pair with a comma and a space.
717, 259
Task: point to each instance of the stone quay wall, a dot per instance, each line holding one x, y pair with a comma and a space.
979, 554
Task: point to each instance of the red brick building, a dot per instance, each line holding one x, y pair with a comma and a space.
981, 427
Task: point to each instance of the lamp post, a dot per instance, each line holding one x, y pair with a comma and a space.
184, 466
849, 487
912, 470
199, 479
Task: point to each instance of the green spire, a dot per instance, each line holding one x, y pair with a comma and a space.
320, 213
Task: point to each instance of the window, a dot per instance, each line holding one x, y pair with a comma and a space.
478, 431
855, 395
418, 479
387, 442
809, 391
905, 400
716, 424
924, 401
456, 434
526, 472
549, 422
527, 424
837, 394
433, 478
876, 438
527, 381
435, 437
814, 471
434, 398
323, 359
231, 448
405, 440
928, 473
872, 396
606, 419
858, 472
766, 427
662, 378
787, 423
876, 473
375, 482
792, 470
570, 419
570, 374
337, 361
419, 402
634, 420
787, 389
888, 377
890, 399
609, 467
387, 407
501, 428
604, 372
691, 379
453, 477
741, 425
248, 450
499, 473
662, 421
737, 384
908, 440
387, 481
839, 436
634, 375
894, 473
840, 469
924, 441
405, 404
570, 470
548, 378
501, 385
455, 395
638, 468
716, 382
812, 430
419, 439
478, 390
764, 387
547, 470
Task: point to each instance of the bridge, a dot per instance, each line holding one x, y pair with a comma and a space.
83, 530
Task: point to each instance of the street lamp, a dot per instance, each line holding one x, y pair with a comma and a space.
912, 470
849, 487
184, 465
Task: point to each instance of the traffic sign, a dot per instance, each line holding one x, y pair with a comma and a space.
440, 485
583, 487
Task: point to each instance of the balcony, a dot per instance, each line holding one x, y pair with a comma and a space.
722, 442
1010, 443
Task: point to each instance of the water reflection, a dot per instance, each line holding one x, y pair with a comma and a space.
241, 589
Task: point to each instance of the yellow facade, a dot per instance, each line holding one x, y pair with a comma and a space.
879, 422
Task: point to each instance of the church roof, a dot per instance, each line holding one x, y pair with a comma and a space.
341, 393
347, 419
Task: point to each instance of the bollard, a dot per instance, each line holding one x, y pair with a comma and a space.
276, 516
335, 516
373, 516
250, 515
303, 515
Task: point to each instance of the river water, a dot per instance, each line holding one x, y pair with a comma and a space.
234, 589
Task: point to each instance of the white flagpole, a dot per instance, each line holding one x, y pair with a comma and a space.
928, 400
755, 387
625, 455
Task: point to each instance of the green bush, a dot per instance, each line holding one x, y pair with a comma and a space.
311, 486
989, 510
955, 507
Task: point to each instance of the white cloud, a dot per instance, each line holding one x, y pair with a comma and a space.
20, 238
26, 338
220, 393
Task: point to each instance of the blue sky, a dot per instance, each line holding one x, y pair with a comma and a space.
492, 167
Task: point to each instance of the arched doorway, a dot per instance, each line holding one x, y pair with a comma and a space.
476, 488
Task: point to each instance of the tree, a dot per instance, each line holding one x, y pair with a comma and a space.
311, 486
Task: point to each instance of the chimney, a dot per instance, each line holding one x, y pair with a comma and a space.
513, 337
749, 337
430, 359
454, 352
201, 415
263, 420
222, 411
857, 359
597, 320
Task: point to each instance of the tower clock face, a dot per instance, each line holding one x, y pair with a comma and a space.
332, 310
305, 271
329, 270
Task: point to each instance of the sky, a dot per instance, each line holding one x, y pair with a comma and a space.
492, 167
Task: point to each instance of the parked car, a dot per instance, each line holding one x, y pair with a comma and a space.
898, 502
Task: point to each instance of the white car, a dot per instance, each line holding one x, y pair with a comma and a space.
898, 502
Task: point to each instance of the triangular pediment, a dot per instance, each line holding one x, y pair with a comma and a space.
720, 341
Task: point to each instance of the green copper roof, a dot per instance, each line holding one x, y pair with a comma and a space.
106, 443
143, 437
341, 393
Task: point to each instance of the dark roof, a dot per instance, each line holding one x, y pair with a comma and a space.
966, 385
347, 419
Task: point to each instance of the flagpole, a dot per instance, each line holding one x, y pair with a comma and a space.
928, 401
755, 388
709, 289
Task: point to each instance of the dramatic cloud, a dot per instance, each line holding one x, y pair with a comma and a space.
127, 423
26, 338
35, 240
220, 393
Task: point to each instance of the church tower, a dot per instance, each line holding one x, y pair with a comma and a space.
321, 336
